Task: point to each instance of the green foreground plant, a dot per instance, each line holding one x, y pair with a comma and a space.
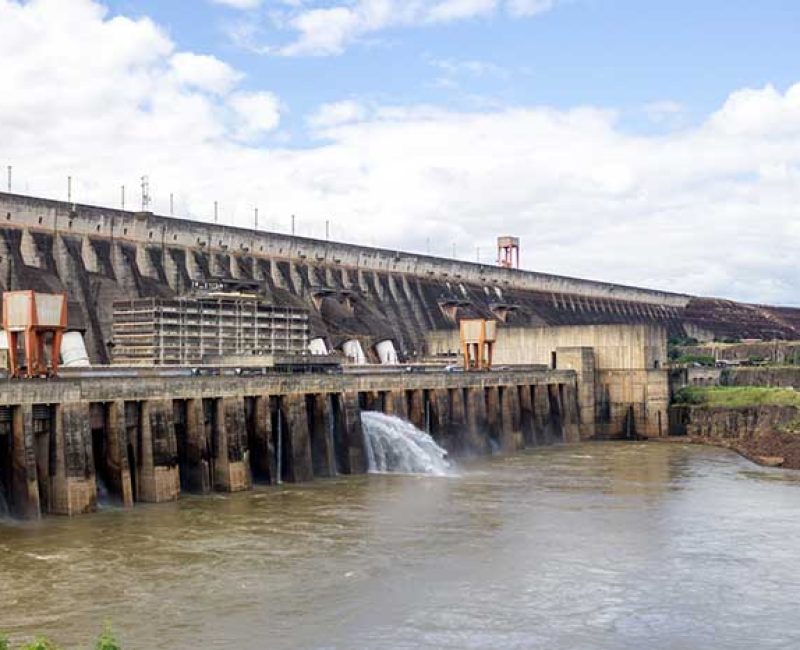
106, 641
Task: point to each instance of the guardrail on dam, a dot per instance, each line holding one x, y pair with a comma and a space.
97, 255
148, 439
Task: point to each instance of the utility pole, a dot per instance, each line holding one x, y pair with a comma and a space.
9, 179
255, 219
171, 205
216, 212
292, 224
327, 230
69, 189
478, 254
122, 196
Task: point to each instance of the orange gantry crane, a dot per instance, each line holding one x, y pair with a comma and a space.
40, 318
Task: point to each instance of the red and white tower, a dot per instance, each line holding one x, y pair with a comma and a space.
508, 252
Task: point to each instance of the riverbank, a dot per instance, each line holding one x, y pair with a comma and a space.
773, 449
760, 423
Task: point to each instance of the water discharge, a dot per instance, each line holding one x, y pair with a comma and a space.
395, 446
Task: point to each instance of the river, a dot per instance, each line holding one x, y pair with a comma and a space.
608, 545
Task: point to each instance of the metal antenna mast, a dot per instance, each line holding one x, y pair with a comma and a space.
145, 193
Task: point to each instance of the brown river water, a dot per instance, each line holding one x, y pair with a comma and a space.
595, 546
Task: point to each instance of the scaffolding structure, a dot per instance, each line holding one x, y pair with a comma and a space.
191, 331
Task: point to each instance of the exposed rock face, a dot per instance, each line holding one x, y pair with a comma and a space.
785, 377
769, 435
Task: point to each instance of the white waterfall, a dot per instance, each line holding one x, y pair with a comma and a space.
396, 446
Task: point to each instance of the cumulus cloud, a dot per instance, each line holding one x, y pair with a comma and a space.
328, 29
709, 210
204, 72
257, 112
337, 113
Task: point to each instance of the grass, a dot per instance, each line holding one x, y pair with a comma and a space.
737, 396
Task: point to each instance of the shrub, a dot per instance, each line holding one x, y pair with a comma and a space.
41, 644
700, 359
689, 395
3, 642
106, 641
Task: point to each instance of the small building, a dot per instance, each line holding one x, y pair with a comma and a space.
623, 383
191, 330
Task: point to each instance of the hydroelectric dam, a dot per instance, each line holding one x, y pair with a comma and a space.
577, 359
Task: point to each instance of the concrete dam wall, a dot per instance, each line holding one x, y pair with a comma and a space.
97, 255
151, 439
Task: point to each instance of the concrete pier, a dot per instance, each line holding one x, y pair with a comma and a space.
66, 443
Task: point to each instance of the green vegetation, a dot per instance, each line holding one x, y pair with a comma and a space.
699, 359
677, 341
106, 641
40, 644
737, 396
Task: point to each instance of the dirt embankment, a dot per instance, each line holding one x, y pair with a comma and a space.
769, 434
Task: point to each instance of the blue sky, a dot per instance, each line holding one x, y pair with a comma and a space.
643, 142
620, 54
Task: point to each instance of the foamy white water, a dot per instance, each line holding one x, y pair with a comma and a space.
396, 446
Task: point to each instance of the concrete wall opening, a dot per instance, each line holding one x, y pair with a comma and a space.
6, 455
180, 418
492, 396
281, 442
554, 431
208, 442
340, 446
257, 443
98, 422
133, 428
321, 436
43, 435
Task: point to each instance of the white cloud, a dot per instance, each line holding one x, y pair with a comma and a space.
82, 77
529, 7
337, 113
204, 72
329, 29
762, 111
257, 112
665, 113
709, 210
239, 4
